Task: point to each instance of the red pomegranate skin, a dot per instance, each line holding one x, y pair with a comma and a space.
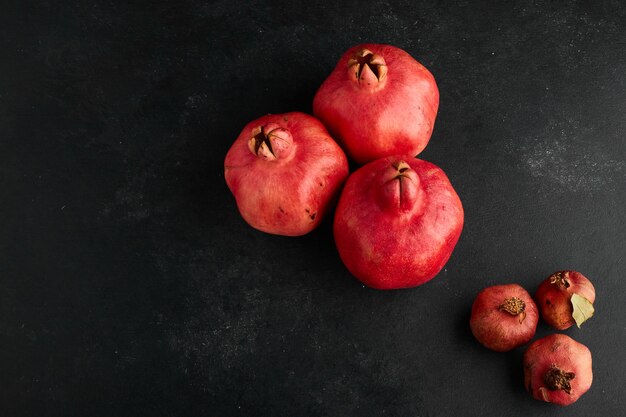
504, 317
557, 369
285, 171
378, 101
554, 294
397, 222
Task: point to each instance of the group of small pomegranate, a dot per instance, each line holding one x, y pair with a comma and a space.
378, 107
557, 368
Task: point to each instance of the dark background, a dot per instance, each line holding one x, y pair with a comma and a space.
130, 286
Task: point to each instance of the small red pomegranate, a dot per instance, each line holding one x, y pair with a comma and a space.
397, 222
565, 298
504, 317
557, 369
378, 101
284, 171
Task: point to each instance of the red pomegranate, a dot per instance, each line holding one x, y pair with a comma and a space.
565, 298
284, 171
557, 369
397, 222
378, 101
504, 317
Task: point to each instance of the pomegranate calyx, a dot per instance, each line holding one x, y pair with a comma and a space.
560, 279
401, 188
270, 142
557, 379
515, 307
367, 68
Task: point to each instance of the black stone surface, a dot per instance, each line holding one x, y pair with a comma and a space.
130, 286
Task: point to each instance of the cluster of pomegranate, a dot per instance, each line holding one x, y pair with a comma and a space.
557, 368
286, 171
378, 107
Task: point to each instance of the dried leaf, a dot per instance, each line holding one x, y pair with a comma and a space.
583, 309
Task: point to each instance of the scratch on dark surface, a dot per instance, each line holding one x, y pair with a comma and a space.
561, 161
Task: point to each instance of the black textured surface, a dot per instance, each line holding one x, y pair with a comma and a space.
130, 286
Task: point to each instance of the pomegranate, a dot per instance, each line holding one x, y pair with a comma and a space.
284, 171
565, 298
378, 101
397, 222
557, 369
504, 317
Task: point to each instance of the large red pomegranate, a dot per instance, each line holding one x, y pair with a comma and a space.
397, 222
378, 101
557, 369
284, 171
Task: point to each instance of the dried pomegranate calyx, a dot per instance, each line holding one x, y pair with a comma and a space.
367, 68
270, 142
402, 168
514, 306
560, 278
557, 379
